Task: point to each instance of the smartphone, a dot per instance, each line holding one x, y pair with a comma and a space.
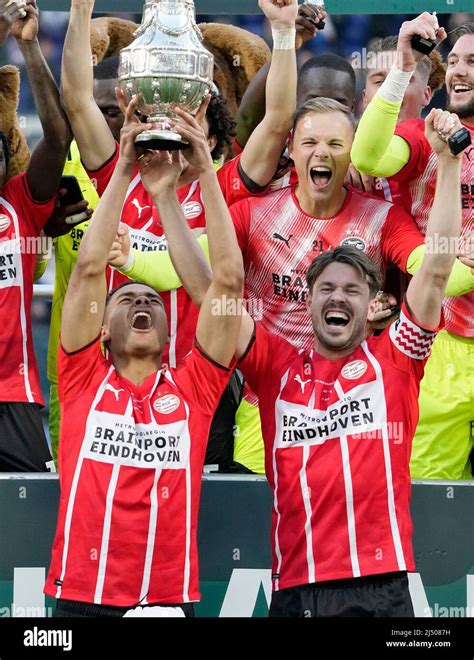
73, 191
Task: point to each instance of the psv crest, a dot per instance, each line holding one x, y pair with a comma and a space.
166, 404
192, 210
354, 369
354, 241
4, 222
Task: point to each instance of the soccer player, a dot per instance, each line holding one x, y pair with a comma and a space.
427, 79
239, 178
444, 438
339, 416
26, 202
133, 433
281, 232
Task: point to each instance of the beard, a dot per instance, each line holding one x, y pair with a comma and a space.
464, 111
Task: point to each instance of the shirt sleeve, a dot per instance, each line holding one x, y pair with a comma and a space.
406, 344
33, 215
265, 360
81, 369
202, 380
100, 178
235, 184
400, 237
413, 132
156, 268
240, 214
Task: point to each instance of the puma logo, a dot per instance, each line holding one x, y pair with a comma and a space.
302, 383
110, 388
285, 240
139, 208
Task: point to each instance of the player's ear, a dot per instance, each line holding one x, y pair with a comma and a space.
427, 96
104, 334
212, 141
290, 146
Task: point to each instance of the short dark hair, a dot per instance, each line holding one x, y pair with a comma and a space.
122, 286
327, 61
346, 255
430, 66
320, 105
467, 28
5, 140
221, 125
107, 69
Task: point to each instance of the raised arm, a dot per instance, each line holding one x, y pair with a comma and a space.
376, 149
252, 106
84, 303
50, 153
220, 315
427, 288
89, 126
262, 152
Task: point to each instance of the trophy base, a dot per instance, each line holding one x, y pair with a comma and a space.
161, 140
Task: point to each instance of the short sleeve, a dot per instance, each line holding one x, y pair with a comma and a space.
240, 213
400, 237
267, 357
235, 184
202, 380
413, 132
80, 370
100, 178
33, 215
406, 344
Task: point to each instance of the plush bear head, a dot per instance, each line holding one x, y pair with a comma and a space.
9, 121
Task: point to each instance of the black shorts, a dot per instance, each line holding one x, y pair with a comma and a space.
384, 595
72, 608
23, 444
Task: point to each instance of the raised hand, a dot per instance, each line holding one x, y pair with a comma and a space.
307, 23
281, 13
120, 250
383, 311
12, 10
160, 171
132, 127
26, 29
191, 129
425, 25
439, 126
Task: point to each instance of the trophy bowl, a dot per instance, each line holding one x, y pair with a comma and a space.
166, 65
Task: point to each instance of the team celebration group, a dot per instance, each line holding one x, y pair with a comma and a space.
323, 266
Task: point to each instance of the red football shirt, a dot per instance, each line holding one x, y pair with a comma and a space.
337, 438
131, 466
146, 234
21, 221
279, 241
417, 182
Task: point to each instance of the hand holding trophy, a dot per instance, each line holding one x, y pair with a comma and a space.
166, 65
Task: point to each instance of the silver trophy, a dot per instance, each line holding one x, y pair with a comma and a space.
165, 65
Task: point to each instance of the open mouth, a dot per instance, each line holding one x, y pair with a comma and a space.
141, 321
336, 318
320, 176
461, 88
